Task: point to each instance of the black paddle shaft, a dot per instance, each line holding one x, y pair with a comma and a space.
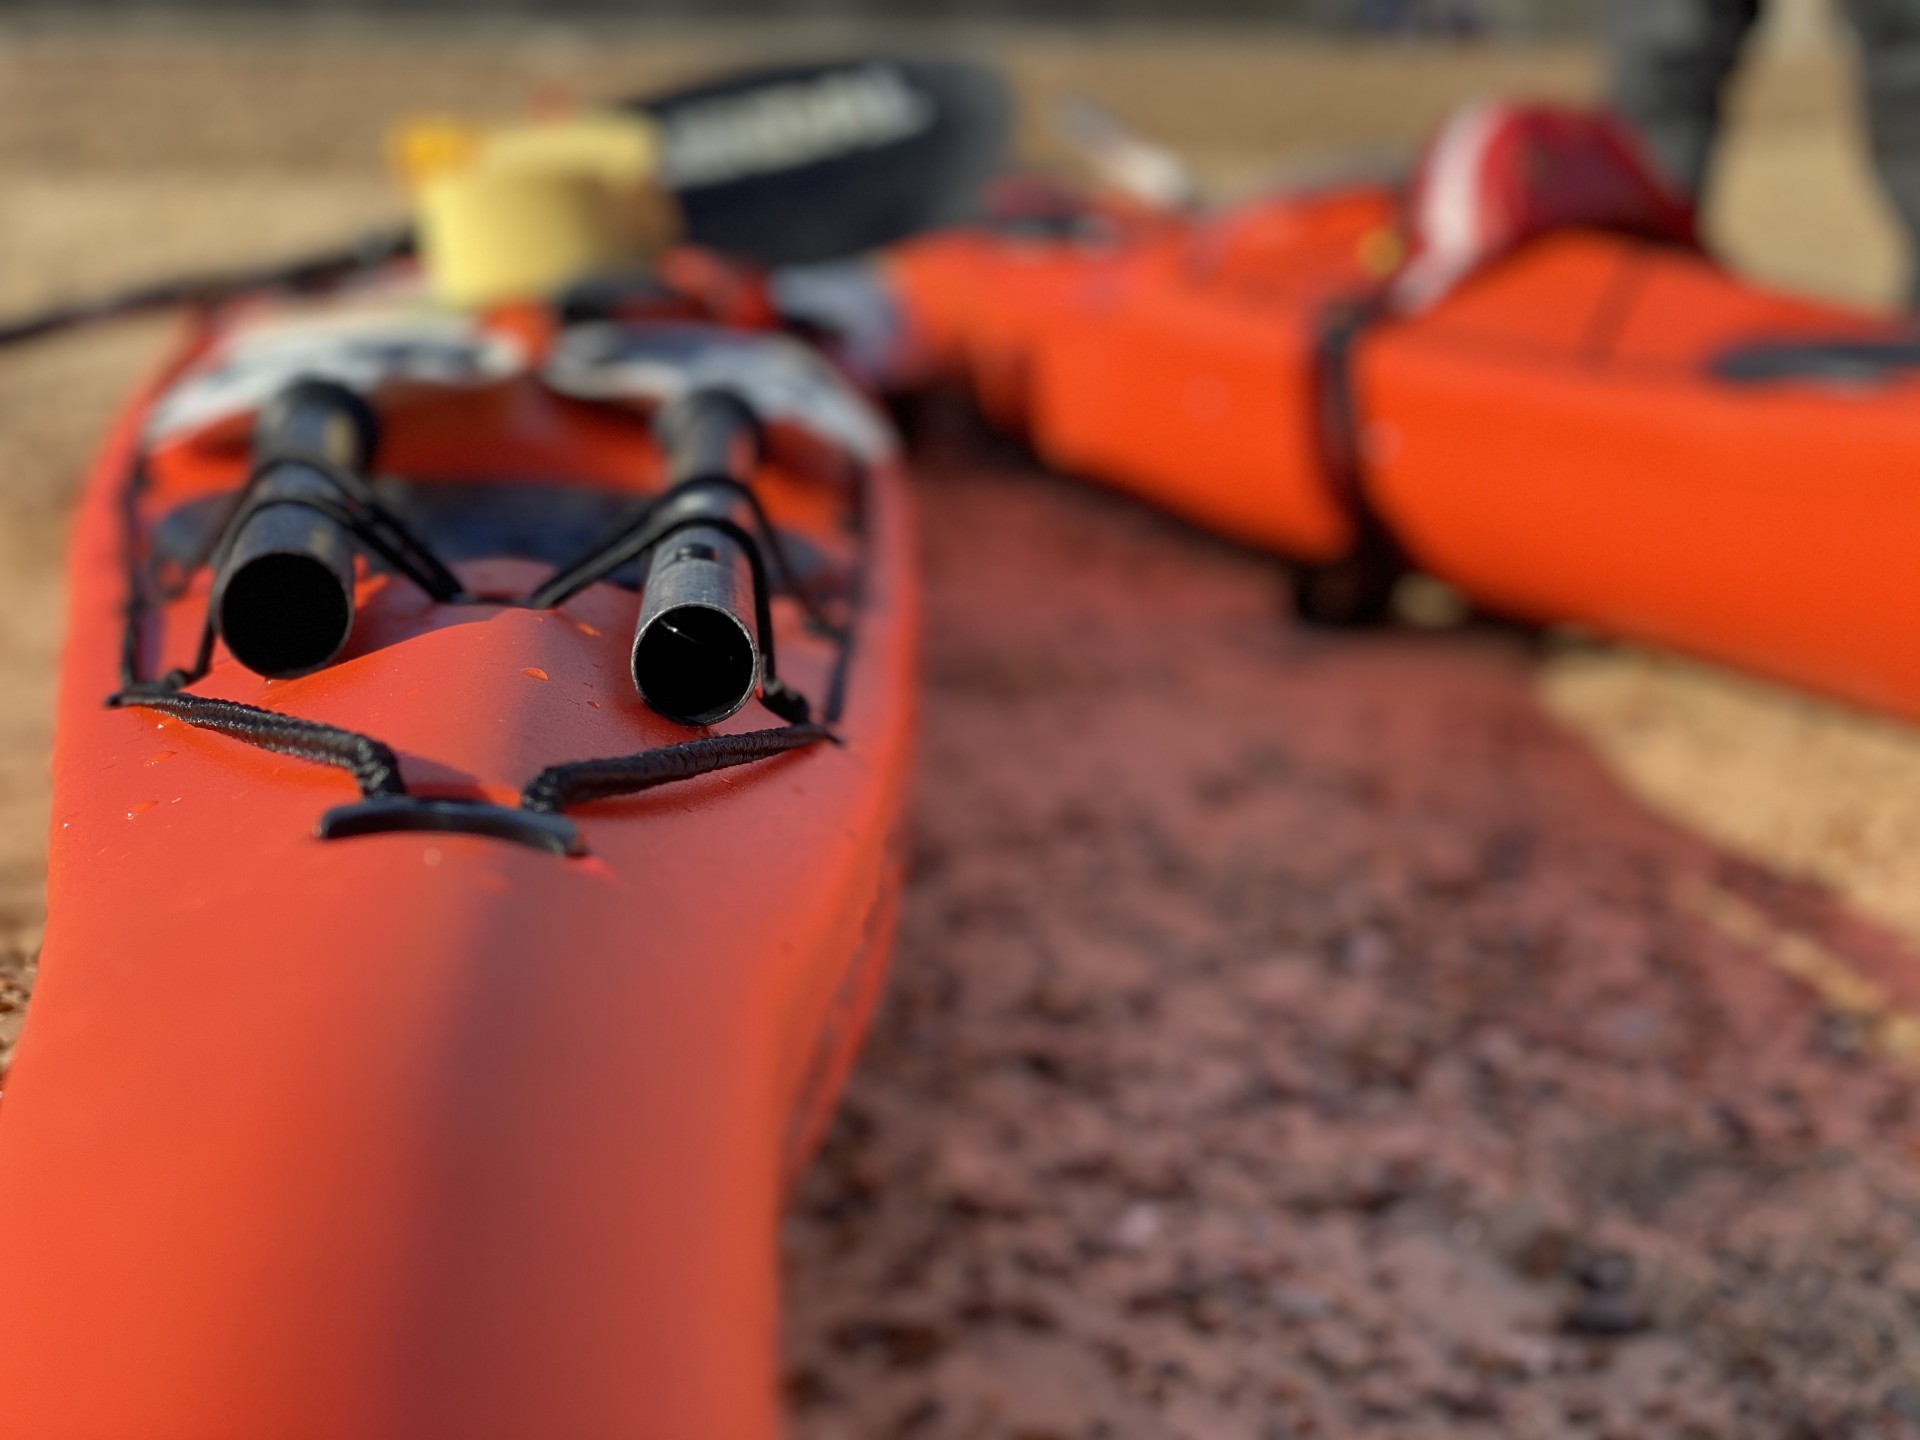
309, 272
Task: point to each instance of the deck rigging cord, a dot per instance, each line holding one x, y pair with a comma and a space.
386, 804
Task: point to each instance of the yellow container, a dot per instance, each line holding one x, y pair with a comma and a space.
520, 213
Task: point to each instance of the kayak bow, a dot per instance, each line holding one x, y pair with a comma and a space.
465, 1105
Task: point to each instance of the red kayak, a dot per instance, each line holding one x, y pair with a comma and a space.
442, 986
1522, 375
483, 743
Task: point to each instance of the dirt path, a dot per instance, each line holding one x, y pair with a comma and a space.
1289, 1036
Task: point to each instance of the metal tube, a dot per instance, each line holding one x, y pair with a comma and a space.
317, 420
696, 654
708, 434
696, 647
283, 597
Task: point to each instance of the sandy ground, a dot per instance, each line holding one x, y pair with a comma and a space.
1409, 1035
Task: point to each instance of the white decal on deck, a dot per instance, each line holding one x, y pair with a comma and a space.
780, 378
363, 352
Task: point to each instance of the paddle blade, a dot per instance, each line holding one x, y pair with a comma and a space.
797, 164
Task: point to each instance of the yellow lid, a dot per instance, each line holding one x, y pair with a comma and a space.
621, 148
519, 213
423, 148
492, 235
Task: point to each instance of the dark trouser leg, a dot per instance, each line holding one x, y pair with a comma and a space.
1890, 59
1671, 60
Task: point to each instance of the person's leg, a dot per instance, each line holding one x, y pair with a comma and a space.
1671, 60
1890, 60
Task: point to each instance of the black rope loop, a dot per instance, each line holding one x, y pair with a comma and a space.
559, 787
373, 765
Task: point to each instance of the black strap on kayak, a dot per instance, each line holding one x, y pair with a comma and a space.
374, 767
387, 807
1356, 588
1337, 404
559, 787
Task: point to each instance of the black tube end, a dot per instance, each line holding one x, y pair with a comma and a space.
695, 664
284, 615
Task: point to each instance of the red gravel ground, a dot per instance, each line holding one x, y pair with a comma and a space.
1303, 1036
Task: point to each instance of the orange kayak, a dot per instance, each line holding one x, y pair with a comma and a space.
1576, 415
425, 1038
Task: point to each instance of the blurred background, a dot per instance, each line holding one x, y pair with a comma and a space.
1445, 15
1461, 1034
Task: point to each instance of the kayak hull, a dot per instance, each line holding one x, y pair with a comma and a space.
1626, 484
